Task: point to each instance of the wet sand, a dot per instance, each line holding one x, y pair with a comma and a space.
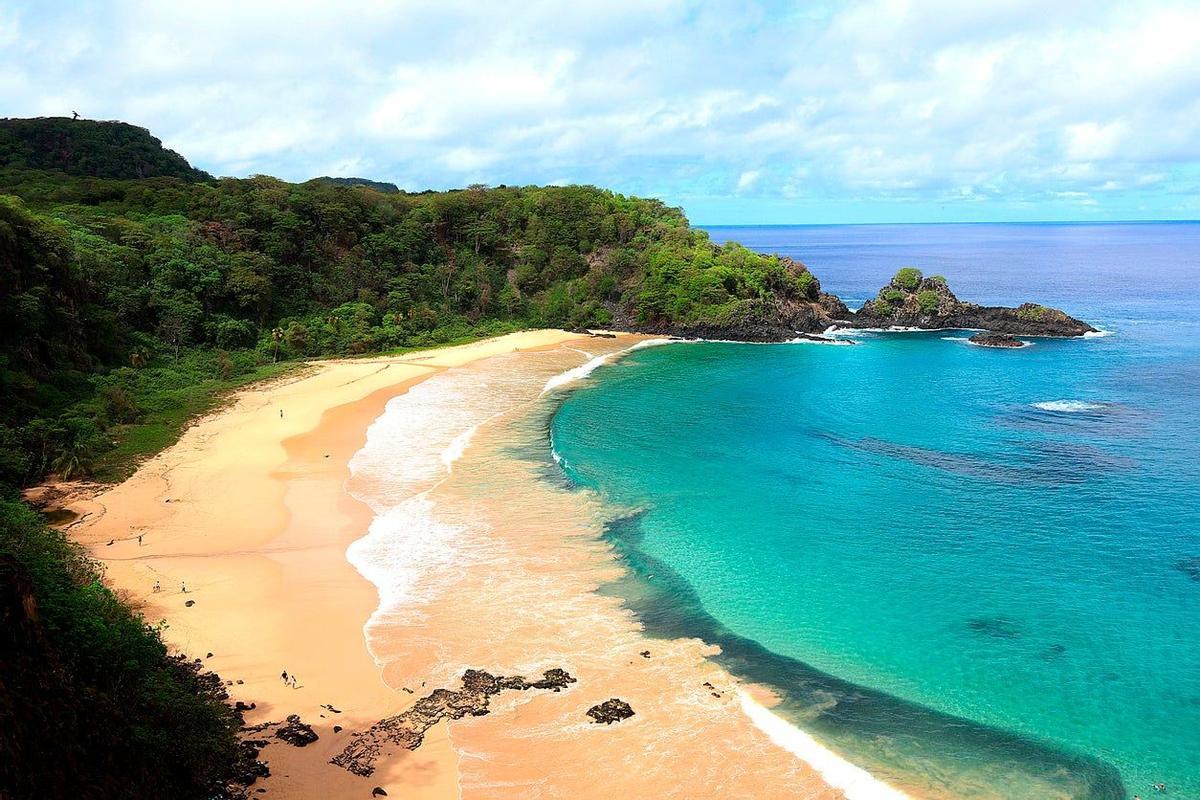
252, 511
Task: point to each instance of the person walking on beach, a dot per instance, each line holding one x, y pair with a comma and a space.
140, 535
284, 676
157, 586
183, 587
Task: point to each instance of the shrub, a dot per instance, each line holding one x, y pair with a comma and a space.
928, 301
1032, 311
893, 295
908, 278
883, 308
119, 406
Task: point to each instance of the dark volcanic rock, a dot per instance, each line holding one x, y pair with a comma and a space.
296, 733
992, 339
408, 729
248, 768
911, 300
610, 711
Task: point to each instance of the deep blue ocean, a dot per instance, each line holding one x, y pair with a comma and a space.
974, 572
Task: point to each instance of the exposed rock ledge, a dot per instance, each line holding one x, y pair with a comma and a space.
912, 300
992, 339
408, 728
610, 711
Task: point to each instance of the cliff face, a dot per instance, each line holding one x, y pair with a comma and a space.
913, 300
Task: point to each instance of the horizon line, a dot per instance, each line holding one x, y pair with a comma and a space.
948, 222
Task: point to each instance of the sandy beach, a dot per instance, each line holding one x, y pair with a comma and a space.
253, 510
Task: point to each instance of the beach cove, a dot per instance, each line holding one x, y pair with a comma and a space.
254, 510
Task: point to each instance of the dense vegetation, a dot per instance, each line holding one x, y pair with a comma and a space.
83, 147
381, 186
135, 290
122, 298
91, 704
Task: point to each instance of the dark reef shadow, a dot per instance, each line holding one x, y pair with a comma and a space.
895, 739
891, 737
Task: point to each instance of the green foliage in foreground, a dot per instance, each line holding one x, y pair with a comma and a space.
91, 705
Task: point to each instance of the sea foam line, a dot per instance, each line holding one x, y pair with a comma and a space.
587, 368
855, 782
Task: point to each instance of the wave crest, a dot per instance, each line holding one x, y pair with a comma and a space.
1069, 406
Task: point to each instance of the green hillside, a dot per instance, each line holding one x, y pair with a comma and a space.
91, 148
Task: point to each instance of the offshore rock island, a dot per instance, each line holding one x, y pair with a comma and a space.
913, 300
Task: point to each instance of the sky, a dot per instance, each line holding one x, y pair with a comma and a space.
740, 112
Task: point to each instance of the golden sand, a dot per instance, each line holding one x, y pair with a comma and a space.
250, 510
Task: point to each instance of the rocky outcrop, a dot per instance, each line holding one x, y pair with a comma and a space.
912, 300
408, 729
993, 339
296, 733
610, 711
798, 308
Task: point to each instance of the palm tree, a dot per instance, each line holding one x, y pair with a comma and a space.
75, 458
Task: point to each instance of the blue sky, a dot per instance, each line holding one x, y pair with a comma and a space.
741, 112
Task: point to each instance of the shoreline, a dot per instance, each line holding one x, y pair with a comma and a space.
282, 580
248, 509
513, 588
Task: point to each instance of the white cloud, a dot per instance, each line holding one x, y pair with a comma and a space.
748, 180
873, 101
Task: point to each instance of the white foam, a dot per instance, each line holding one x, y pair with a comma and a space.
855, 782
590, 366
582, 371
652, 343
1097, 334
412, 546
1068, 406
457, 446
402, 550
956, 338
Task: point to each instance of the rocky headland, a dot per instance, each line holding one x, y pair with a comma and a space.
791, 307
910, 300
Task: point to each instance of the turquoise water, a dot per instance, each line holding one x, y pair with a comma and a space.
966, 569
